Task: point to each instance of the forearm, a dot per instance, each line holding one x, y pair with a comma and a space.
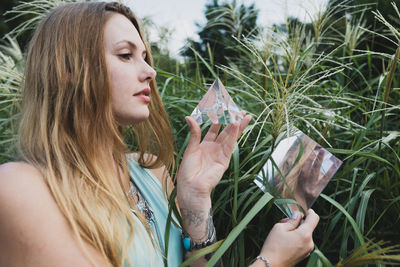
199, 228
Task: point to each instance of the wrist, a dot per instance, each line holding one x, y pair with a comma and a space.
197, 223
193, 201
190, 194
273, 261
190, 244
198, 231
261, 261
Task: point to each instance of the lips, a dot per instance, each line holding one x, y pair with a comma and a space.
145, 92
144, 95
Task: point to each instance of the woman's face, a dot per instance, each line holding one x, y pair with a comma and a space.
129, 73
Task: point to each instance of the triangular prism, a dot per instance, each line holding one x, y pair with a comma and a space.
217, 106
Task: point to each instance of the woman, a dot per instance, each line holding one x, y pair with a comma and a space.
76, 198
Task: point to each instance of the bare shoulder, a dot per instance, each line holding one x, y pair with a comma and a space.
22, 187
11, 168
18, 167
35, 226
18, 181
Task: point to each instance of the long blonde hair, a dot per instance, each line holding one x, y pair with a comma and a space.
68, 131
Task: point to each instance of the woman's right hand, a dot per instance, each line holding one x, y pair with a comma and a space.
289, 241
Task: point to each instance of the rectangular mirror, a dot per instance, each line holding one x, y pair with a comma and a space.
297, 172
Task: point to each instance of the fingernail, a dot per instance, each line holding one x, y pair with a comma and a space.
295, 215
187, 121
284, 220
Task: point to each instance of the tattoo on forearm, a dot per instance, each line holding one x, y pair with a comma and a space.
192, 217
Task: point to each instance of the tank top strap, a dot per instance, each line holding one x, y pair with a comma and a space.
151, 190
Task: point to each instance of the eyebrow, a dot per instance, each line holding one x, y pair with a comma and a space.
132, 45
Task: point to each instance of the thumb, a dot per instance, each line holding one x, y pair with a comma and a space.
195, 134
294, 221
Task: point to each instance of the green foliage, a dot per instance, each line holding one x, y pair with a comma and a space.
11, 69
8, 22
216, 44
375, 254
321, 77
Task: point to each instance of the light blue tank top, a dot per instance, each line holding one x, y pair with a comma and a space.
142, 253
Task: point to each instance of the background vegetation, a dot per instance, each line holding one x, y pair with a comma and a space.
336, 79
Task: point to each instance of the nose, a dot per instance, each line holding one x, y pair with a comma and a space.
148, 73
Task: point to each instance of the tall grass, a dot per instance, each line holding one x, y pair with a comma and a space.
314, 77
11, 69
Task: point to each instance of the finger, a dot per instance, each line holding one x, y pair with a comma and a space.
228, 144
293, 221
243, 124
284, 220
228, 134
212, 133
310, 222
195, 134
231, 133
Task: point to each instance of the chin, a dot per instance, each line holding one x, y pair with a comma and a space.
138, 120
132, 116
132, 120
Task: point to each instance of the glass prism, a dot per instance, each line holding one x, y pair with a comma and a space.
217, 106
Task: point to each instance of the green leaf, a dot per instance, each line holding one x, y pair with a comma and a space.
201, 253
239, 228
349, 218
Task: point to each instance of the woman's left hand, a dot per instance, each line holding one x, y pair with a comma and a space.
205, 162
202, 167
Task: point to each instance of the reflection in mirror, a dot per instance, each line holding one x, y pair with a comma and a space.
297, 172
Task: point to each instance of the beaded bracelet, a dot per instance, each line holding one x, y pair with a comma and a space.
264, 259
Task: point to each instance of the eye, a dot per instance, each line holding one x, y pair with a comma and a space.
126, 56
